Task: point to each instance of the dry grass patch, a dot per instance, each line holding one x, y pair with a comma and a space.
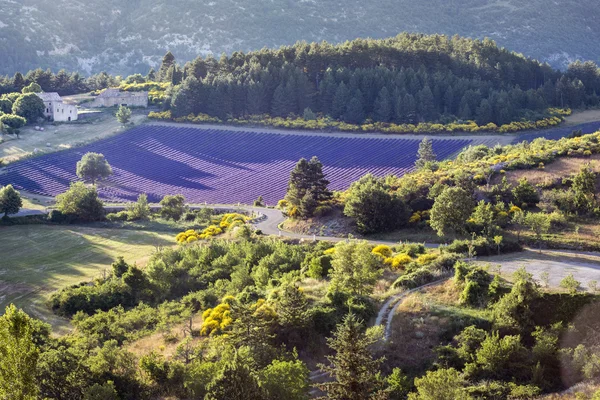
165, 342
415, 334
314, 289
554, 172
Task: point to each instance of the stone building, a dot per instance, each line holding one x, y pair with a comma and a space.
57, 110
114, 97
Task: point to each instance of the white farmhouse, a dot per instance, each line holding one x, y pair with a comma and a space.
55, 109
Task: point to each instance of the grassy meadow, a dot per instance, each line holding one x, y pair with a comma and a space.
39, 259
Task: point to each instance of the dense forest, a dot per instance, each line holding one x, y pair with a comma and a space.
405, 79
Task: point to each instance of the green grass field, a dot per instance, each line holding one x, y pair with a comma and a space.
36, 260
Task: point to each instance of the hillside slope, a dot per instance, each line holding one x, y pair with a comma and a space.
125, 37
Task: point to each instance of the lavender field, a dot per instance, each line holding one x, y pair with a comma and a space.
216, 166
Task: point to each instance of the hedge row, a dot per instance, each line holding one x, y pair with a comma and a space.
328, 124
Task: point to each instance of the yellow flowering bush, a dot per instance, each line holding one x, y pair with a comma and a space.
227, 222
425, 259
400, 261
216, 320
382, 250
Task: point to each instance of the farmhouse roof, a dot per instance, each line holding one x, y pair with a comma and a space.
49, 96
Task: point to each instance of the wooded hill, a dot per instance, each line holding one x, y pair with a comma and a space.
127, 37
404, 79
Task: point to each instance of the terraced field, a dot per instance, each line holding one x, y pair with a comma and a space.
219, 166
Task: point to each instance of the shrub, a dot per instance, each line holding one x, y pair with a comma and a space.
57, 217
400, 261
120, 216
82, 202
319, 267
410, 249
173, 207
570, 283
482, 247
140, 209
216, 320
382, 250
414, 279
425, 259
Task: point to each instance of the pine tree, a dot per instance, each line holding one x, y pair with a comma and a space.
484, 113
427, 104
282, 104
340, 101
307, 187
167, 61
425, 153
253, 327
292, 308
352, 367
449, 101
235, 382
151, 76
18, 81
355, 111
123, 114
410, 107
256, 98
382, 110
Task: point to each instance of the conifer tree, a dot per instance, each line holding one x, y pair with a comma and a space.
484, 113
425, 153
427, 104
167, 61
281, 102
235, 382
382, 110
340, 101
307, 187
352, 367
355, 111
151, 76
292, 309
18, 81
